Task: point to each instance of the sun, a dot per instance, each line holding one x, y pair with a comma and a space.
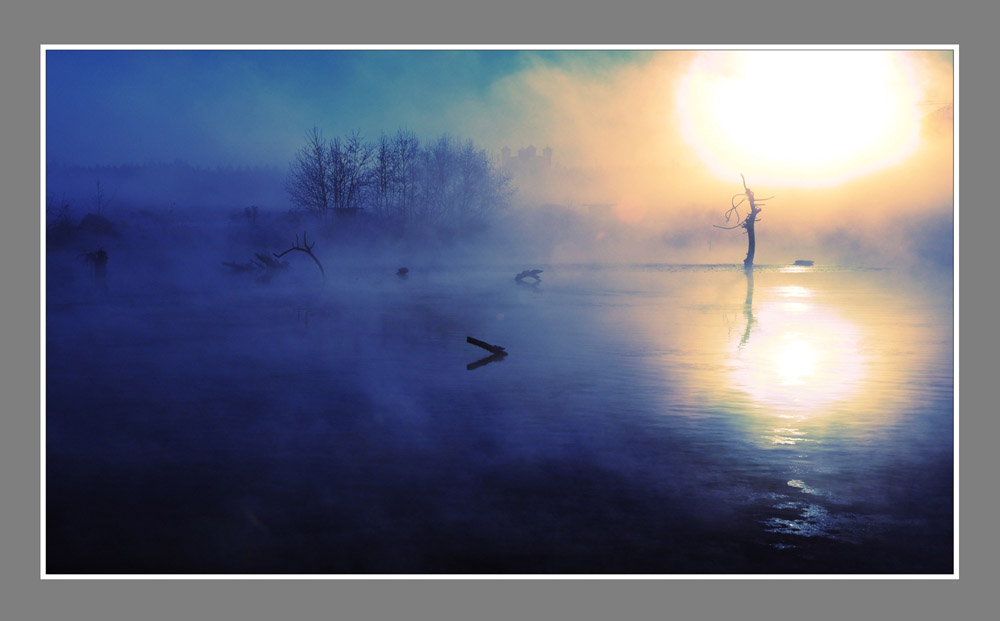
799, 117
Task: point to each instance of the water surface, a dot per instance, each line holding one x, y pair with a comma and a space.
648, 419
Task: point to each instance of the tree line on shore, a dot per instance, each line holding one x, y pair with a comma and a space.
398, 181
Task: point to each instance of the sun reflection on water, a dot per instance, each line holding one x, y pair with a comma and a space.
798, 355
810, 374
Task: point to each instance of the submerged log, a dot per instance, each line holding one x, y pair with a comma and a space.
493, 349
498, 353
249, 266
528, 274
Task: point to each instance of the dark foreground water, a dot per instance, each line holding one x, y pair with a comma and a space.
648, 419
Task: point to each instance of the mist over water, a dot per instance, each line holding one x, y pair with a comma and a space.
649, 418
256, 355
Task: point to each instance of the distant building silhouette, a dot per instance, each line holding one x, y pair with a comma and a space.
527, 159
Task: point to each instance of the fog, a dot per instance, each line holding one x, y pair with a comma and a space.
202, 419
622, 171
217, 402
616, 139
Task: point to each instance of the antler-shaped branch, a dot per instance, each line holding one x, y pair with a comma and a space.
755, 208
729, 228
306, 247
733, 210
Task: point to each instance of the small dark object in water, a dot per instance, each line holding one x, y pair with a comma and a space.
493, 349
99, 261
265, 267
528, 274
402, 272
498, 353
804, 262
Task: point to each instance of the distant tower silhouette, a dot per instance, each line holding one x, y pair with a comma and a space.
527, 159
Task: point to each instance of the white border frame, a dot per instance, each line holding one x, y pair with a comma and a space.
208, 47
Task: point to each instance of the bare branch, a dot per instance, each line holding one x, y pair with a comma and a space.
493, 349
306, 248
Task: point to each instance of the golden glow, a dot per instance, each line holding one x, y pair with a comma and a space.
803, 118
799, 356
795, 359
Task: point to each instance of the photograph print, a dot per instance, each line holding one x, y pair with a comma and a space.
439, 311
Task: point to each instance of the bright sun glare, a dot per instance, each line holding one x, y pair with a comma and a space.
799, 355
803, 118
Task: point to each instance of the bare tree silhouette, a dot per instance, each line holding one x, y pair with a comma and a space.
747, 222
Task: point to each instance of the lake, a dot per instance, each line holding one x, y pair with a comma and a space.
648, 419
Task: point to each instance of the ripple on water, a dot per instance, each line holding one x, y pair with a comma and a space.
804, 488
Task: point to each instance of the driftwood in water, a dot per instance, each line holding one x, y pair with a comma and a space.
265, 267
498, 353
249, 266
98, 260
493, 349
306, 247
263, 262
402, 272
529, 274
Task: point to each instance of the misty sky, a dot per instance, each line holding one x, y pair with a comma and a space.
855, 140
222, 107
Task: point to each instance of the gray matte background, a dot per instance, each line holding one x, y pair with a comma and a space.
24, 28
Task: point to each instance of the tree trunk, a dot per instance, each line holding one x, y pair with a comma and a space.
748, 225
752, 247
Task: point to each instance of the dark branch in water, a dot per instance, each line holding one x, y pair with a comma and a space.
499, 353
529, 274
493, 349
306, 247
264, 266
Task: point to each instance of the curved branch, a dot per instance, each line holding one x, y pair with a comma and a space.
306, 248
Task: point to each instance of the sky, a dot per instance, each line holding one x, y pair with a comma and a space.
859, 137
594, 107
222, 107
